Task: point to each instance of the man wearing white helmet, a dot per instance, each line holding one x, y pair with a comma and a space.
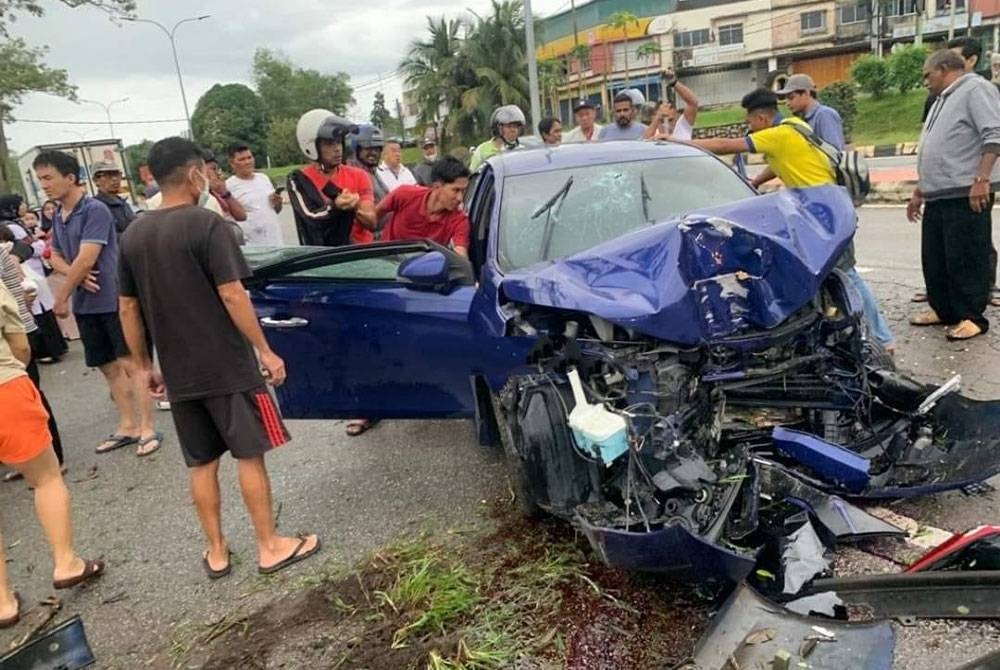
329, 198
507, 123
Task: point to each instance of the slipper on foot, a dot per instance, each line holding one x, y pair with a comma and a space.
116, 441
91, 570
295, 556
919, 297
9, 622
155, 437
926, 318
966, 330
360, 426
220, 573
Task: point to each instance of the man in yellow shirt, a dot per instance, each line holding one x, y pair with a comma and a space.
789, 155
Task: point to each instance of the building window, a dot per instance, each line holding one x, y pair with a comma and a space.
813, 21
945, 5
901, 7
692, 38
731, 34
857, 13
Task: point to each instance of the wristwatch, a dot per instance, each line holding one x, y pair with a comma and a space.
982, 180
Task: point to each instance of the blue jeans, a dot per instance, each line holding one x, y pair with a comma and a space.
876, 322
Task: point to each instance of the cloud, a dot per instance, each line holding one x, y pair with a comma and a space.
109, 60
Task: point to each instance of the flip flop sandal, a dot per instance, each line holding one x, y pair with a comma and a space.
355, 428
13, 476
10, 622
954, 335
217, 574
117, 442
919, 297
995, 297
294, 558
91, 570
926, 319
157, 437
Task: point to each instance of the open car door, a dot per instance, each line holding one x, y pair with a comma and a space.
374, 331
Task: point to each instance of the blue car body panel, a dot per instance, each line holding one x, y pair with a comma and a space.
833, 463
746, 266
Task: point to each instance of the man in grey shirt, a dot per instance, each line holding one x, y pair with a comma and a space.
955, 166
624, 128
799, 94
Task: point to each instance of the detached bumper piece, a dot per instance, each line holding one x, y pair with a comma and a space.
65, 647
752, 632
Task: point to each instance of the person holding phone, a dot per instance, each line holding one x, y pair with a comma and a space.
258, 196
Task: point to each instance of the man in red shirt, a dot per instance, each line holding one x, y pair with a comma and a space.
433, 213
333, 202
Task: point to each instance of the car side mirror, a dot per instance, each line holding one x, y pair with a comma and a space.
427, 272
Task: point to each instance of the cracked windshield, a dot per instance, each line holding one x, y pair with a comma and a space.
559, 213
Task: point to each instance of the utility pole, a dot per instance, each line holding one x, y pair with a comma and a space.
529, 34
402, 124
875, 27
918, 38
951, 19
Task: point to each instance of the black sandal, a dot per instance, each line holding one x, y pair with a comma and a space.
295, 557
212, 572
91, 570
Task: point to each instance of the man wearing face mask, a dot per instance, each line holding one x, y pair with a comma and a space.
333, 202
181, 275
422, 170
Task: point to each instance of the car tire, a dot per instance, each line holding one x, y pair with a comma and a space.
524, 496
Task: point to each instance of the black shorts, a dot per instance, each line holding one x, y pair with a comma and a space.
245, 424
102, 337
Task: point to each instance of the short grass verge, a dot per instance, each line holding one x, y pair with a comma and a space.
525, 595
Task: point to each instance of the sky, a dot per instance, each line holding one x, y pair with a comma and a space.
110, 60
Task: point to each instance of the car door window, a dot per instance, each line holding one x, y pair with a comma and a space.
374, 268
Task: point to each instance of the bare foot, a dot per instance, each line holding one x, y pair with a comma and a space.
8, 606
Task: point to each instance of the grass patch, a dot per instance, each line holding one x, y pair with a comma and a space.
524, 595
891, 119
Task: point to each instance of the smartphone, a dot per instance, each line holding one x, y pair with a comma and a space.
279, 189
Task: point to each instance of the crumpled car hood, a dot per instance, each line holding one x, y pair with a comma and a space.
714, 273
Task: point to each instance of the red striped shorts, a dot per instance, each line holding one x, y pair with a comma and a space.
245, 424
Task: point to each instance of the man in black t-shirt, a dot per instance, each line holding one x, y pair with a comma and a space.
181, 271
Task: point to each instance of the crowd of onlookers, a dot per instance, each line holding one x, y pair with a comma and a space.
167, 279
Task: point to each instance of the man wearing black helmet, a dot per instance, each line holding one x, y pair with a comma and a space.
333, 202
506, 124
366, 145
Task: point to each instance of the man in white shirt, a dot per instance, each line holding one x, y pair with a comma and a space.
671, 123
256, 193
586, 129
391, 171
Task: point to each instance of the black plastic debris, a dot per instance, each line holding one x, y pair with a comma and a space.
65, 647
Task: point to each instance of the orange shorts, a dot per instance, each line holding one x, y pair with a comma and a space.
24, 423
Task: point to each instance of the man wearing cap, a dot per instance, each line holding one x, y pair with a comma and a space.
799, 93
586, 129
108, 178
422, 170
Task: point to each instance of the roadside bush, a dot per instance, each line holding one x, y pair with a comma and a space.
906, 67
840, 95
871, 74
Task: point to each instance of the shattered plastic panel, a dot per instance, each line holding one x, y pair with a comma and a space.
752, 631
722, 271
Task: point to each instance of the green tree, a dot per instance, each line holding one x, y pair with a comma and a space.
22, 71
871, 74
10, 8
289, 91
229, 113
136, 155
906, 67
551, 75
621, 21
646, 51
380, 115
581, 54
282, 147
495, 51
840, 95
435, 74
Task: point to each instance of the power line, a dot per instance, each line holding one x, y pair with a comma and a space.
97, 123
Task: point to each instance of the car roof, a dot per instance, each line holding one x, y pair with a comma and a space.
547, 158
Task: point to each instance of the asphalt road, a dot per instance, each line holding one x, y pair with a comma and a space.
359, 493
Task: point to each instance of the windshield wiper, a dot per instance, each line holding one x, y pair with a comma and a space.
546, 209
645, 196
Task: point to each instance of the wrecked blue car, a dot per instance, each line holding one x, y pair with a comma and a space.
726, 382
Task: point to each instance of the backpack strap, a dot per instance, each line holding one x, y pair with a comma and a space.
810, 136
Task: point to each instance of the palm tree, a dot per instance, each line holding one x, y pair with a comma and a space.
621, 21
580, 52
494, 51
431, 70
646, 51
551, 76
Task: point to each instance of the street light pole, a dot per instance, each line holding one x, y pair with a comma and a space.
107, 110
177, 64
529, 33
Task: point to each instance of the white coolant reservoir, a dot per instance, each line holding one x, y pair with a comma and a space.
597, 430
